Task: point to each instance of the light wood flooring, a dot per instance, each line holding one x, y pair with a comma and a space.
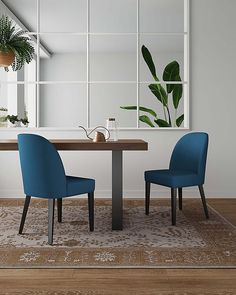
125, 281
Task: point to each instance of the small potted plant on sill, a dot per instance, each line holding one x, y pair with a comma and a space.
13, 119
15, 46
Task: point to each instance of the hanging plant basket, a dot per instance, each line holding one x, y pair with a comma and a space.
6, 58
16, 48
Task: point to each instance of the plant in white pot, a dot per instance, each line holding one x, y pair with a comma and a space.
15, 45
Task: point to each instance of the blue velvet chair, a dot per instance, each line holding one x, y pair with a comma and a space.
44, 177
187, 168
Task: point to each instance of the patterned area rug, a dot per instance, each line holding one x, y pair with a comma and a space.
146, 241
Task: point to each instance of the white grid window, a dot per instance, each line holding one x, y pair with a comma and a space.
102, 67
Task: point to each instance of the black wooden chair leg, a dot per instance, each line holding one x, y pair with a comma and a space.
25, 210
59, 210
147, 196
201, 190
91, 210
173, 205
51, 205
180, 193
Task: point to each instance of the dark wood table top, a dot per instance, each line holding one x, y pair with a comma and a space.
84, 145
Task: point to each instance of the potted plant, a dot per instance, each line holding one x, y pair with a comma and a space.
13, 119
15, 46
161, 94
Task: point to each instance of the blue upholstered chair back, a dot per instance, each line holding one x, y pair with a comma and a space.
190, 154
42, 169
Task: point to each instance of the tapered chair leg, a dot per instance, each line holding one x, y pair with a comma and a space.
59, 210
26, 206
173, 205
201, 190
91, 210
180, 193
147, 196
51, 205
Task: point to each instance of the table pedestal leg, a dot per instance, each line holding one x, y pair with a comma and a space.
117, 190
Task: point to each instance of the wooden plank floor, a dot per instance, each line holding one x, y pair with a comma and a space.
125, 281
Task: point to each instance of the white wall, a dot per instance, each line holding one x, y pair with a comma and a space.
213, 105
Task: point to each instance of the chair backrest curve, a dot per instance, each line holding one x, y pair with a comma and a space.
42, 169
190, 154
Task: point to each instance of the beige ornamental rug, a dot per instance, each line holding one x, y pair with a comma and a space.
145, 242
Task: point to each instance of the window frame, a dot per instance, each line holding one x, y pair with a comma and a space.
136, 82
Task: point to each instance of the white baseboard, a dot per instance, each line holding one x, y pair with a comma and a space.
137, 194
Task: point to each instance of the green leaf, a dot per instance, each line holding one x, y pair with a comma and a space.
160, 93
180, 120
162, 123
177, 94
146, 119
149, 61
143, 109
171, 73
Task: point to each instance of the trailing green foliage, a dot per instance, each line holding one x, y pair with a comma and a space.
171, 74
12, 118
16, 41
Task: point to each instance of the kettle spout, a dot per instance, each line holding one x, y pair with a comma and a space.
86, 132
99, 136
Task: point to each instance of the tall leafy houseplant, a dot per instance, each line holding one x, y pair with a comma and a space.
171, 74
15, 46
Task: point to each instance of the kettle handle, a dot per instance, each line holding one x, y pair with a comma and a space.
87, 134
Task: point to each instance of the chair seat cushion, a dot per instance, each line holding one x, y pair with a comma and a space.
79, 185
173, 179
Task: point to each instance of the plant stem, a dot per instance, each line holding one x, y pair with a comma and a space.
169, 115
175, 117
164, 110
163, 104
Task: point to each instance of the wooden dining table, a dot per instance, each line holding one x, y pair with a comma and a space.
116, 147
